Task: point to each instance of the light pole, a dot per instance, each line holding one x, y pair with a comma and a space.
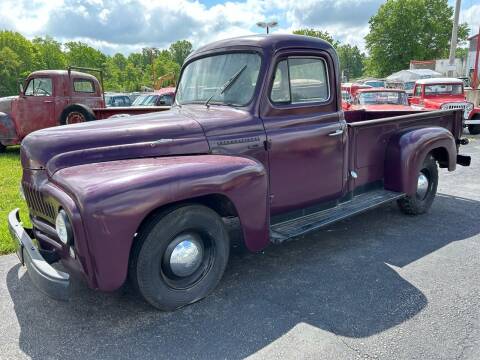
267, 25
453, 41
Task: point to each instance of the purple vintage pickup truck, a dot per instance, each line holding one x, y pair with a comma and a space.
256, 133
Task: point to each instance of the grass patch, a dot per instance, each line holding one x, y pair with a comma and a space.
10, 175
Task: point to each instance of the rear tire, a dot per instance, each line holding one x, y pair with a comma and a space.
474, 129
2, 148
179, 257
421, 202
75, 115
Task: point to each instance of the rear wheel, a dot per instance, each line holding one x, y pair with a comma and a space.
427, 182
179, 257
75, 115
2, 148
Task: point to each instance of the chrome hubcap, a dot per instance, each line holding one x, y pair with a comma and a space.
422, 186
187, 255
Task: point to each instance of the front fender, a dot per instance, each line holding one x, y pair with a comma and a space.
406, 152
123, 193
8, 133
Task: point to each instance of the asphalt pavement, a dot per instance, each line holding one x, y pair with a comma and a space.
381, 285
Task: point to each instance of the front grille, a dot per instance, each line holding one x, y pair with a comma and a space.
455, 106
37, 203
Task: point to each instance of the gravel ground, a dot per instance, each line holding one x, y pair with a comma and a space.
381, 285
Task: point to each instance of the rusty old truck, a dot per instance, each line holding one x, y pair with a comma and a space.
256, 133
56, 97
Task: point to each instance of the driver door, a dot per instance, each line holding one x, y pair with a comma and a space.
36, 106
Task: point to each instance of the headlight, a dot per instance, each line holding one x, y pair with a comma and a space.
64, 227
443, 107
469, 108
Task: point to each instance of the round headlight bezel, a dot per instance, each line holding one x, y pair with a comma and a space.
63, 227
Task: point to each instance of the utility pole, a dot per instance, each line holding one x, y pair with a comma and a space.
453, 41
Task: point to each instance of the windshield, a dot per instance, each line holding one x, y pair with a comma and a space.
409, 85
145, 100
204, 78
444, 89
383, 97
375, 83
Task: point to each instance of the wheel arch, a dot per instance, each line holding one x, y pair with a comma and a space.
73, 107
406, 152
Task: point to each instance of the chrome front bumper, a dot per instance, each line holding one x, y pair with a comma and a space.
50, 281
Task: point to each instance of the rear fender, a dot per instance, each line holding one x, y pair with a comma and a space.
406, 152
8, 133
122, 194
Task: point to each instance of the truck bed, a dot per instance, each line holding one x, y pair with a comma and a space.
370, 132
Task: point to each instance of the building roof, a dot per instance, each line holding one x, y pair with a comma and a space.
439, 81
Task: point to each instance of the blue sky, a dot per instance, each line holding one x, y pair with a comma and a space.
128, 25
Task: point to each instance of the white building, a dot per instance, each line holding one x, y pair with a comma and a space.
472, 48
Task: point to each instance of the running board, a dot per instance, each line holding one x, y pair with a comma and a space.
295, 227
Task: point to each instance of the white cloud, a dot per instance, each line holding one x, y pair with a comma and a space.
128, 25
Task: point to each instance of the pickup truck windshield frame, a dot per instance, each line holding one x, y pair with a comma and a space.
190, 74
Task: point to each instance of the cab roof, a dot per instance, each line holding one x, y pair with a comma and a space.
271, 42
433, 81
60, 73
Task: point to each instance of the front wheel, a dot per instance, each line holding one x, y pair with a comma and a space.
2, 148
474, 129
427, 182
179, 257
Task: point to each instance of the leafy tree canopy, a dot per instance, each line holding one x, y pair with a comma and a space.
403, 30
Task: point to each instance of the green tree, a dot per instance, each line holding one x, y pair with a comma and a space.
179, 51
10, 66
23, 48
324, 35
81, 54
49, 53
403, 30
351, 60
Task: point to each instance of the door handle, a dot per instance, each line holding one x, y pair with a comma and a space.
336, 133
47, 101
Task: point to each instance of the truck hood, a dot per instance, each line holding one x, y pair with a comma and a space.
173, 132
6, 104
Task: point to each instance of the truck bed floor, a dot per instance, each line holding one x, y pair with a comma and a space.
298, 226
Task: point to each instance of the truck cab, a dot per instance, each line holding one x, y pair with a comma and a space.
49, 98
446, 93
264, 140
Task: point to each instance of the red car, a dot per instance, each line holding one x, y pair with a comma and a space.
446, 94
380, 99
349, 91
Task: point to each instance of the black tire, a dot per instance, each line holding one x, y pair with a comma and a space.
150, 271
77, 111
2, 148
420, 204
474, 129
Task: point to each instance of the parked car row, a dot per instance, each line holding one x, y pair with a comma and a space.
427, 94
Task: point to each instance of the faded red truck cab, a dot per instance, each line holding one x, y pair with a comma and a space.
56, 97
446, 94
263, 140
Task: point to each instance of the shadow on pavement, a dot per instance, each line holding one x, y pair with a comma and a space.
341, 279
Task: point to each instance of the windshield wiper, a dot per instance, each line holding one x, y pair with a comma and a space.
227, 85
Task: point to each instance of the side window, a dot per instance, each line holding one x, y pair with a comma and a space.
83, 86
300, 80
418, 90
39, 87
281, 88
